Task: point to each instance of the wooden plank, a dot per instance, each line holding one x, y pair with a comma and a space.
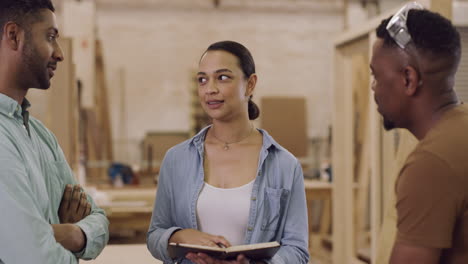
360, 213
360, 84
74, 117
95, 170
102, 106
121, 140
318, 190
375, 127
342, 160
387, 236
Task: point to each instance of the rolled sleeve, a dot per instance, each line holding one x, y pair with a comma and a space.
95, 227
158, 241
26, 237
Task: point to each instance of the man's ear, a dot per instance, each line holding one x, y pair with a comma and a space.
12, 33
251, 83
412, 80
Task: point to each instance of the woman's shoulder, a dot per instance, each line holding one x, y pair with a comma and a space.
179, 149
188, 147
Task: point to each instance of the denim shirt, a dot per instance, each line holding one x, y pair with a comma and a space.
278, 209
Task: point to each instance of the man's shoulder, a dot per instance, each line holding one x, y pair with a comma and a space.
448, 141
8, 140
452, 126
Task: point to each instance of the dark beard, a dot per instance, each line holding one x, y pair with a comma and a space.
388, 125
35, 74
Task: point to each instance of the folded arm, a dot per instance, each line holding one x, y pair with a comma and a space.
26, 235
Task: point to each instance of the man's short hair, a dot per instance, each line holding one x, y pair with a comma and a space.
430, 32
23, 12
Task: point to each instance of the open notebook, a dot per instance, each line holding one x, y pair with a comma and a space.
251, 251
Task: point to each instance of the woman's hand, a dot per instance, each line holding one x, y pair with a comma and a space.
195, 237
201, 258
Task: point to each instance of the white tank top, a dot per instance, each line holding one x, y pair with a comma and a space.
224, 212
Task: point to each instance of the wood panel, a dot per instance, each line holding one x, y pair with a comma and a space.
343, 155
396, 154
285, 120
101, 102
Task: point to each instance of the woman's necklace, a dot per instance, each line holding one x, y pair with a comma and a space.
226, 144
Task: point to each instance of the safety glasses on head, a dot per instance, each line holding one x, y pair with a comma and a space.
397, 27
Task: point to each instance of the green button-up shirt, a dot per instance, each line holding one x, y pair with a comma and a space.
33, 175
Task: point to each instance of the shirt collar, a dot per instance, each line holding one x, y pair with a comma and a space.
9, 107
199, 139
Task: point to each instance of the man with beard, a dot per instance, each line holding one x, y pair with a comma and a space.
46, 218
414, 62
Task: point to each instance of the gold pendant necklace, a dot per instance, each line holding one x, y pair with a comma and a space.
226, 144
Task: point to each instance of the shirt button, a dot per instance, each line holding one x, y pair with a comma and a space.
250, 228
10, 114
254, 198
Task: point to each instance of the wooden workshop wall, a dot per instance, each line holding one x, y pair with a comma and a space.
348, 61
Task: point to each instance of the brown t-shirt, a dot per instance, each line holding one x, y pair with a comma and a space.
432, 190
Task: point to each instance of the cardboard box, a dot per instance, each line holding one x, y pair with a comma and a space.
284, 118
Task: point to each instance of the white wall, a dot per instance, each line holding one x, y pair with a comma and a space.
160, 49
